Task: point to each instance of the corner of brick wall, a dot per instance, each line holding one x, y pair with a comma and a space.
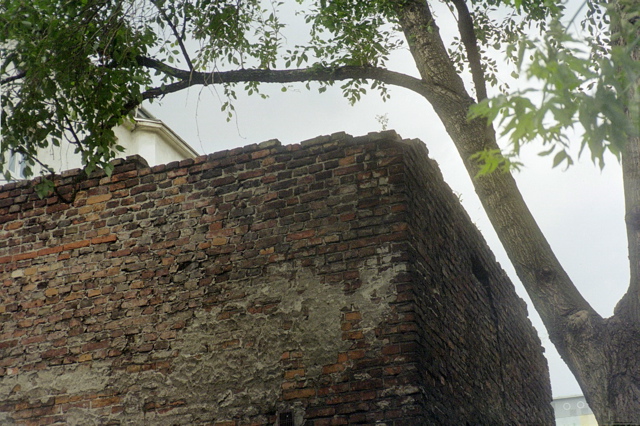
461, 288
318, 281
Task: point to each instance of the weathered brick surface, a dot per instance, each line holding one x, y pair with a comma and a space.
338, 280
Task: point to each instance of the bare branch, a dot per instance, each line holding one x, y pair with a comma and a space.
468, 37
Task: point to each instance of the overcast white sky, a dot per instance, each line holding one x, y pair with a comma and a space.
580, 210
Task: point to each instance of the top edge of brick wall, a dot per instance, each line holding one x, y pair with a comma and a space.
133, 162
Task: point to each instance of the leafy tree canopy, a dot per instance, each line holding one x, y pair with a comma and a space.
586, 77
74, 69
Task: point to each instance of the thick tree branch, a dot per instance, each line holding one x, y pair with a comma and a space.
158, 92
322, 74
468, 37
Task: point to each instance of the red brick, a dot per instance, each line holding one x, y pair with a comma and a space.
333, 368
260, 154
298, 393
92, 346
13, 225
103, 402
10, 343
313, 412
24, 256
345, 161
290, 374
104, 239
391, 349
98, 198
63, 256
76, 244
302, 235
54, 353
357, 354
352, 316
49, 250
354, 335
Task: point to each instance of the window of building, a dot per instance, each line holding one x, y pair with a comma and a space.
15, 165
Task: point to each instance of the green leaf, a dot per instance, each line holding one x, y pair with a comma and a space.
44, 188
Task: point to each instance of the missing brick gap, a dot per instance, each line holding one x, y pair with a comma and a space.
481, 274
184, 265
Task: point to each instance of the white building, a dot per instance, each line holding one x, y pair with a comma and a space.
573, 411
144, 135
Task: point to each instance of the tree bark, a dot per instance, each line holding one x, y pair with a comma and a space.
629, 305
625, 28
624, 327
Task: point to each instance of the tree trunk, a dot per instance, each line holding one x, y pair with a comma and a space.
621, 404
625, 31
602, 354
623, 329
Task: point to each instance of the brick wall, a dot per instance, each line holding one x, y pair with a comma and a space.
337, 281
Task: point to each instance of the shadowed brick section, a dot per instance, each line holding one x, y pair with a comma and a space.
333, 282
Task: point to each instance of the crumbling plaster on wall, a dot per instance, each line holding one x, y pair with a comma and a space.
42, 385
253, 374
251, 371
